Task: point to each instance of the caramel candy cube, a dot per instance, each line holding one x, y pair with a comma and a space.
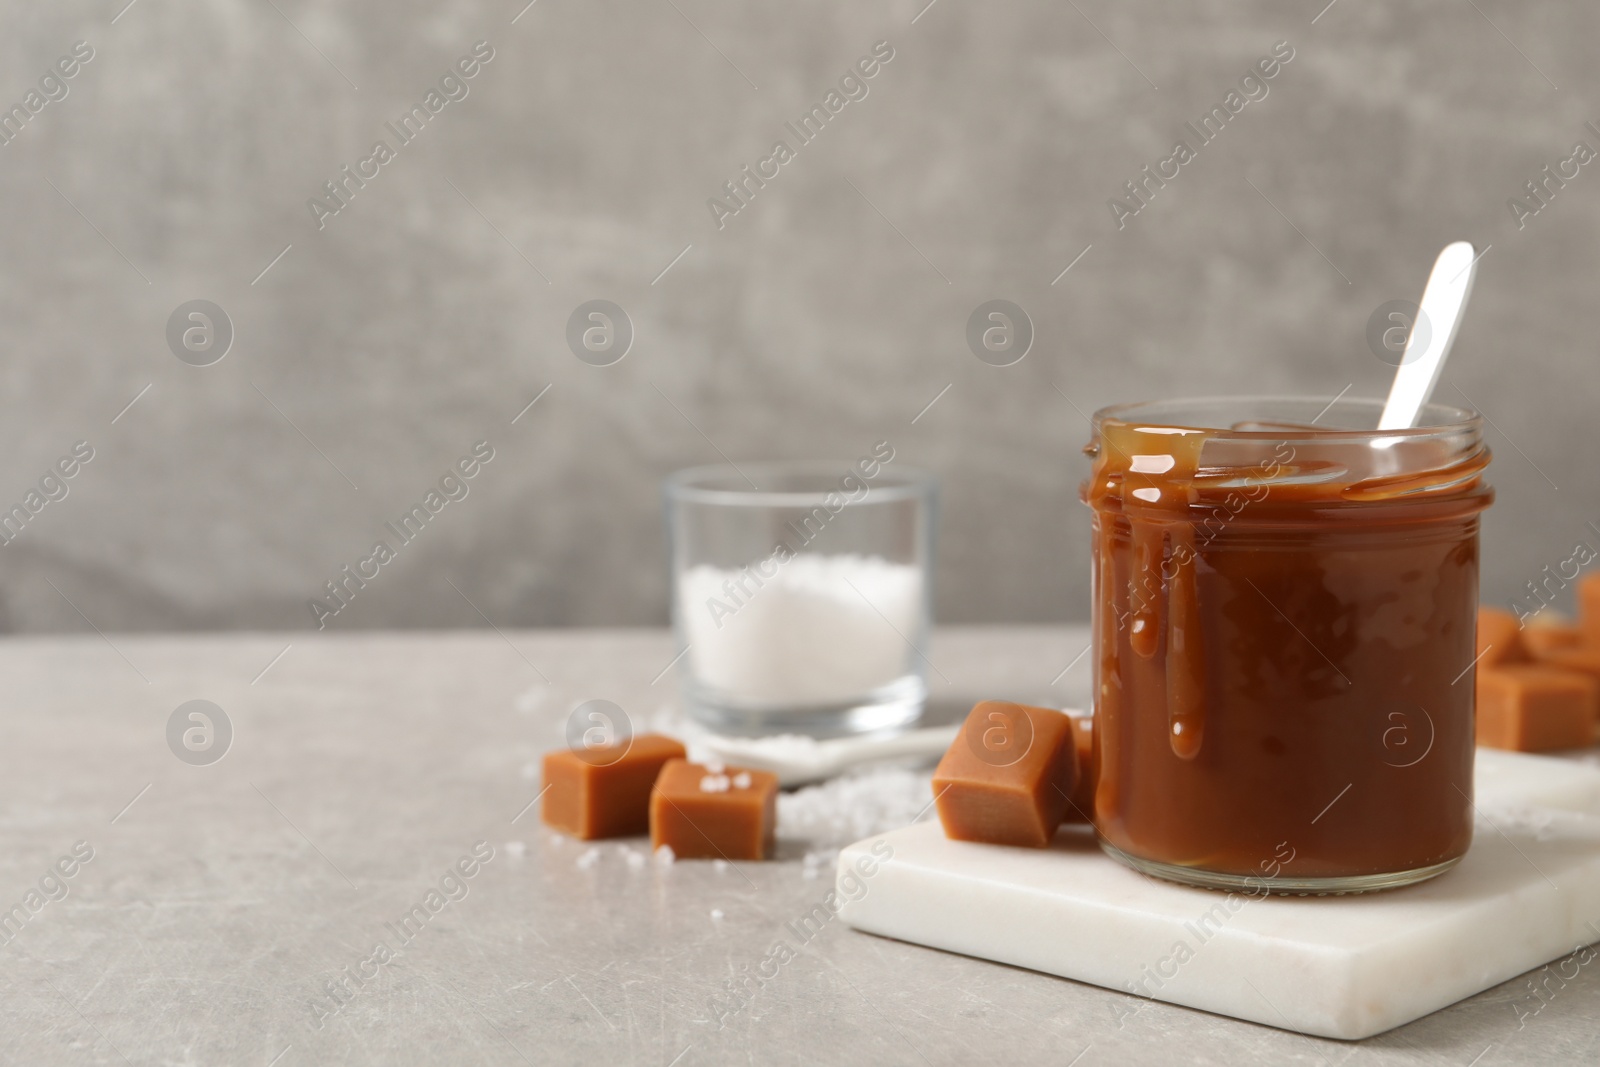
1008, 776
604, 791
1563, 646
1536, 708
1584, 659
1499, 638
727, 813
1081, 809
1589, 608
1543, 642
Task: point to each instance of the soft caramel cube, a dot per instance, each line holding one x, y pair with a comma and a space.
1499, 638
1589, 607
1573, 657
605, 791
727, 813
1008, 776
1541, 640
1563, 646
1081, 809
1536, 708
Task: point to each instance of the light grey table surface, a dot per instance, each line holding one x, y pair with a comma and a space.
219, 903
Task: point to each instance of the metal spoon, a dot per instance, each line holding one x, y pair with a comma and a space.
1443, 301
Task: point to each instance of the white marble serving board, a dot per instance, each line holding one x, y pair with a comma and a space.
1528, 892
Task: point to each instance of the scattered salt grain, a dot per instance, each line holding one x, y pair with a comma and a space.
782, 748
635, 859
589, 858
844, 810
716, 915
714, 783
530, 771
741, 780
516, 849
665, 856
719, 865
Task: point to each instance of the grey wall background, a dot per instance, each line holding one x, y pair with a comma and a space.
824, 317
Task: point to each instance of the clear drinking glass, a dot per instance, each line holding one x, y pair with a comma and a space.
801, 593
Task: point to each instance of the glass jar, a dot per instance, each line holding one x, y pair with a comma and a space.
1285, 606
802, 593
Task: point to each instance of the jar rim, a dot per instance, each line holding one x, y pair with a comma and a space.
1288, 413
739, 485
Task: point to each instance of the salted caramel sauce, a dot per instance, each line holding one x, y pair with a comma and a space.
1180, 597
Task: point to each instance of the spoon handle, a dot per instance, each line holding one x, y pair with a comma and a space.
1443, 300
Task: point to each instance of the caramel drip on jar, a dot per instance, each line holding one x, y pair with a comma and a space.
1108, 692
1152, 471
1144, 587
1186, 683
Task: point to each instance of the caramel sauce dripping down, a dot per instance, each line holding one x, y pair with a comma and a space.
1153, 470
1153, 476
1255, 609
